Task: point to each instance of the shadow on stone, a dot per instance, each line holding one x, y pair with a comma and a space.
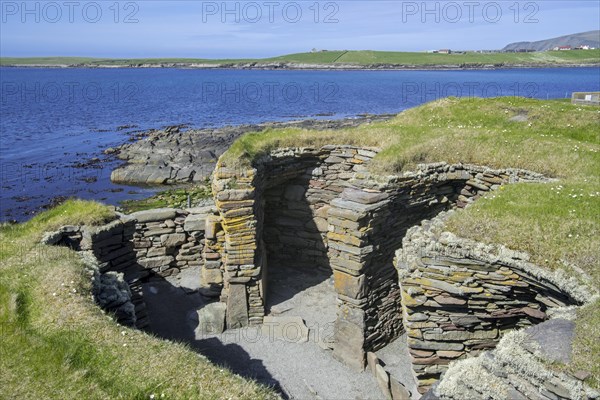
173, 313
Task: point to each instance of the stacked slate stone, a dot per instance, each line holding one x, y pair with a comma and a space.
519, 368
368, 295
295, 186
473, 181
212, 269
298, 190
167, 240
318, 208
111, 249
112, 246
234, 194
161, 241
459, 297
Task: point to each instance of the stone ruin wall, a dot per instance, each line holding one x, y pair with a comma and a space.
160, 242
320, 208
459, 297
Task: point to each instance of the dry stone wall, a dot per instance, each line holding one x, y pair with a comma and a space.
518, 368
167, 240
274, 213
108, 249
133, 247
460, 297
320, 208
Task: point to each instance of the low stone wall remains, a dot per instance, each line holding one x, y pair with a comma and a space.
129, 249
459, 297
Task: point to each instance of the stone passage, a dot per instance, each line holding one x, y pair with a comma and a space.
320, 209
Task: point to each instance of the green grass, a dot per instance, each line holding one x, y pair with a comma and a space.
558, 223
559, 139
360, 57
173, 198
57, 344
550, 57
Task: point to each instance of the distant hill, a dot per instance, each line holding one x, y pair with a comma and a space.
591, 39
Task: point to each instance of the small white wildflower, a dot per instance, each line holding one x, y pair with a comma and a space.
54, 294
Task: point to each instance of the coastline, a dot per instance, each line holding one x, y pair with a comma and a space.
312, 67
189, 156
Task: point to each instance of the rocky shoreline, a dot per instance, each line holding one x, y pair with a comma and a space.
308, 66
175, 156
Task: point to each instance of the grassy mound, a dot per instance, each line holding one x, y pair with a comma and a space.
56, 343
558, 223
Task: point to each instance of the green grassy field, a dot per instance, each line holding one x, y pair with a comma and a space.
365, 57
57, 344
557, 223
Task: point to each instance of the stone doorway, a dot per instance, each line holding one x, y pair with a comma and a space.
308, 219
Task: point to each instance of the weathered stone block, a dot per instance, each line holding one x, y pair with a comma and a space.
462, 335
398, 391
211, 227
383, 381
348, 285
321, 224
212, 276
351, 240
372, 361
449, 354
194, 222
349, 342
362, 196
158, 231
156, 251
159, 214
211, 318
235, 194
237, 306
342, 213
156, 262
358, 207
173, 240
347, 264
431, 345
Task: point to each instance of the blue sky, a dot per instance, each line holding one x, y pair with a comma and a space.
214, 29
